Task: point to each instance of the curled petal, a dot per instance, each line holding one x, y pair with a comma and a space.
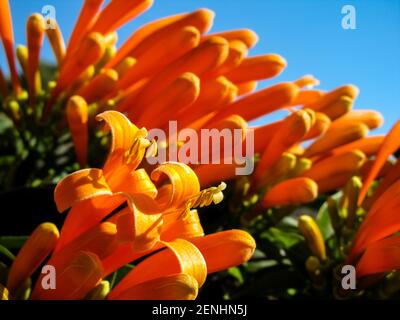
79, 186
181, 256
183, 181
171, 287
123, 131
226, 249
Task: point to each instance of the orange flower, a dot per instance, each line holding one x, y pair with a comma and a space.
77, 116
381, 221
35, 29
35, 250
291, 191
7, 37
101, 234
389, 145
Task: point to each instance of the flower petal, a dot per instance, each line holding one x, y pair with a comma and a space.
123, 131
226, 249
180, 257
142, 230
381, 256
182, 179
171, 287
382, 221
74, 280
184, 228
388, 147
79, 186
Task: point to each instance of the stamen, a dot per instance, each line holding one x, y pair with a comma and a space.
204, 198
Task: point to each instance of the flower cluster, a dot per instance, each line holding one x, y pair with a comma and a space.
120, 214
132, 211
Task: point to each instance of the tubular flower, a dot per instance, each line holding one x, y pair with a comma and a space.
119, 214
311, 232
376, 248
176, 71
173, 69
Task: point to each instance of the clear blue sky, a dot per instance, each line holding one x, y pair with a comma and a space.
307, 33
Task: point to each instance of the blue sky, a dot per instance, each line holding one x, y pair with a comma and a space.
308, 33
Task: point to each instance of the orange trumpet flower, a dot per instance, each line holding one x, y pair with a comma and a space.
77, 116
257, 68
291, 191
337, 137
389, 145
57, 41
292, 131
247, 36
381, 221
34, 251
7, 37
35, 29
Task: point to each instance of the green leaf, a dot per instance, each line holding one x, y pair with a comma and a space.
117, 276
13, 242
254, 266
286, 239
4, 251
235, 272
5, 122
323, 219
